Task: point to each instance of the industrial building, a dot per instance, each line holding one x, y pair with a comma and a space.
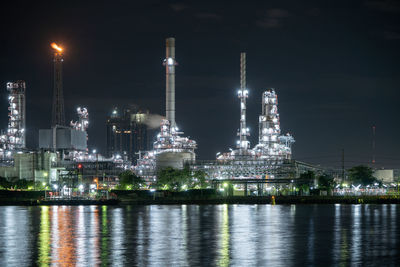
127, 133
32, 166
170, 149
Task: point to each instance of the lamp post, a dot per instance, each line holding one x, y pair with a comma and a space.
97, 168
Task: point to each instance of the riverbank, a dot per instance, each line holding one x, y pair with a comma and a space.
35, 198
196, 197
266, 200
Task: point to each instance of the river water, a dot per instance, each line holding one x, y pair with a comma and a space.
200, 235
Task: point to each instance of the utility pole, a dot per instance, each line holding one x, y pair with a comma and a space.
373, 146
342, 165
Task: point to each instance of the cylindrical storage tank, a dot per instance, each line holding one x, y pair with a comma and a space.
173, 159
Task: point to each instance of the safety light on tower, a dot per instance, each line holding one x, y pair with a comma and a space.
243, 145
58, 115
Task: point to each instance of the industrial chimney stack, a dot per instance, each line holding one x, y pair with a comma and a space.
170, 63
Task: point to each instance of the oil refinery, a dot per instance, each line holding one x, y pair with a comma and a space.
170, 149
271, 157
63, 149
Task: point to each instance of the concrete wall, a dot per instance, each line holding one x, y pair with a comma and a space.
385, 176
31, 166
67, 138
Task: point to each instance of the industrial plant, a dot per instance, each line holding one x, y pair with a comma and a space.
170, 148
133, 142
271, 157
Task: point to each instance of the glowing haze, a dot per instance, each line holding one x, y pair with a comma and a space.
56, 47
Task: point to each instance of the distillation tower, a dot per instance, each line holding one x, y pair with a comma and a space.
170, 149
270, 157
271, 144
14, 138
16, 115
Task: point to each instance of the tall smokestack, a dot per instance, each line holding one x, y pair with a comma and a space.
58, 115
170, 80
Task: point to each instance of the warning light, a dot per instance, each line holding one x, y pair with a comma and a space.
79, 166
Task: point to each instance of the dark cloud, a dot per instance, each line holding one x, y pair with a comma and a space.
177, 7
314, 11
274, 18
391, 35
208, 16
277, 13
384, 5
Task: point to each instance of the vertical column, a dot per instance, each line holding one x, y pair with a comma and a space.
170, 81
243, 94
58, 116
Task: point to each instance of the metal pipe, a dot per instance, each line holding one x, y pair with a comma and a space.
170, 80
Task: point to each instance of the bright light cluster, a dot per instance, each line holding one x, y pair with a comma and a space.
14, 139
272, 145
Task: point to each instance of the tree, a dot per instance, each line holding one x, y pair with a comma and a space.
199, 178
4, 183
176, 180
306, 180
22, 184
129, 180
325, 182
172, 179
361, 175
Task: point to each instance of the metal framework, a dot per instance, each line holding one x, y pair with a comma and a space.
270, 156
243, 145
58, 115
14, 138
271, 144
83, 120
16, 115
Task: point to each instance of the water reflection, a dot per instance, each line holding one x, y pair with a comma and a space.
188, 235
44, 237
223, 259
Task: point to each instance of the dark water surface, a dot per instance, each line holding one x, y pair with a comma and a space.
192, 235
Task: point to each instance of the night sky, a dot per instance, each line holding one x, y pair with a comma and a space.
335, 66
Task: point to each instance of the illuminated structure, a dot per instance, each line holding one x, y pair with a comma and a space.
127, 133
169, 149
14, 138
83, 120
272, 145
58, 115
16, 115
243, 150
271, 157
243, 145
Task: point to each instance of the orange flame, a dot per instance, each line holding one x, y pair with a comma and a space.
56, 47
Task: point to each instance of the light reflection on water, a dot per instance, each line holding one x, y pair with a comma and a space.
189, 235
